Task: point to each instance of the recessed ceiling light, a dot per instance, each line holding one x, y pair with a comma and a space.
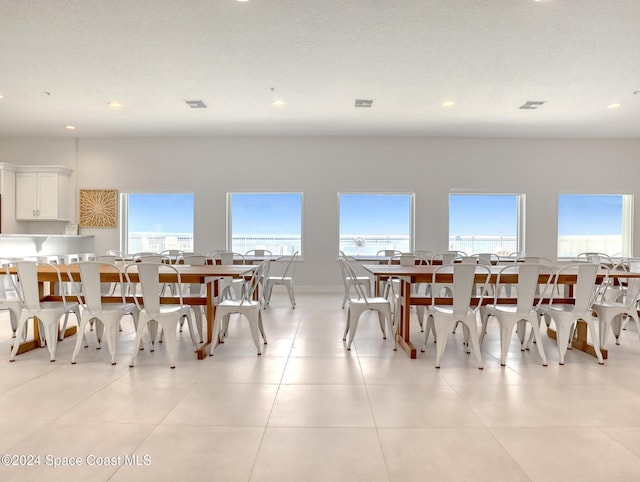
615, 105
70, 127
448, 103
1, 96
115, 105
278, 103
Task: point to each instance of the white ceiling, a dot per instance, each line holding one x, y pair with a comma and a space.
61, 61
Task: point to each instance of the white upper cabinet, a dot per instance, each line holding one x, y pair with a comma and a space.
42, 193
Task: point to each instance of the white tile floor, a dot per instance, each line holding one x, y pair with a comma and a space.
309, 410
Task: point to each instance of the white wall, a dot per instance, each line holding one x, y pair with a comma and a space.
320, 167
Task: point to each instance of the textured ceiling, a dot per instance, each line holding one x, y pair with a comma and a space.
61, 61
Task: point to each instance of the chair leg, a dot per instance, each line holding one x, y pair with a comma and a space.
169, 328
352, 329
111, 342
595, 338
535, 332
261, 327
21, 327
252, 318
347, 326
80, 338
291, 297
136, 346
563, 334
475, 341
443, 328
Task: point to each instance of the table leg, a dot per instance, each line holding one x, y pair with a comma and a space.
212, 291
580, 340
404, 330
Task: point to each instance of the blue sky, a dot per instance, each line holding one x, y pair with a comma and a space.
273, 213
589, 214
375, 214
281, 213
172, 213
489, 215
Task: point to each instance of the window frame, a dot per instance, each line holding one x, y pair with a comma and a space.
229, 220
520, 199
412, 204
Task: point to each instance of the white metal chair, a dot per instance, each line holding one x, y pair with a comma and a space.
622, 306
524, 311
151, 310
195, 290
565, 316
362, 279
361, 303
9, 297
86, 275
445, 317
228, 288
47, 312
246, 306
285, 278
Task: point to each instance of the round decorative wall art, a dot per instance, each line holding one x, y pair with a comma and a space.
98, 208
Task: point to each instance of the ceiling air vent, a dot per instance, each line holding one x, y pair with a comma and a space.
532, 104
196, 104
363, 103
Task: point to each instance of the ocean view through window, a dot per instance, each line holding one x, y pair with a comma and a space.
157, 222
270, 221
486, 223
595, 223
372, 222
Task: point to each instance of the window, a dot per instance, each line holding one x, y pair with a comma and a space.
486, 223
156, 222
594, 223
372, 222
270, 221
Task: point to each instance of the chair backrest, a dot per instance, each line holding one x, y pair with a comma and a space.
87, 275
258, 252
195, 260
469, 260
423, 257
584, 290
150, 258
464, 275
28, 287
596, 258
351, 279
8, 281
172, 254
487, 258
115, 252
528, 275
151, 286
252, 286
536, 260
226, 257
388, 252
105, 258
448, 257
289, 263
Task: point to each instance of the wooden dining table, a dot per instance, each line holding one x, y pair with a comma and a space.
411, 274
208, 274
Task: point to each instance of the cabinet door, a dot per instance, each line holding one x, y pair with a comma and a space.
47, 195
26, 189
